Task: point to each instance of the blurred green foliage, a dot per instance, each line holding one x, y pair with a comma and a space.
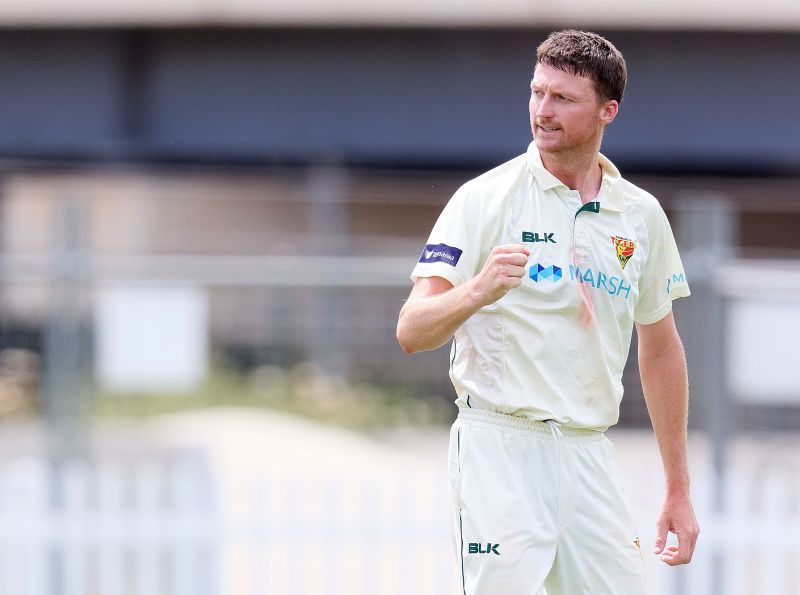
303, 390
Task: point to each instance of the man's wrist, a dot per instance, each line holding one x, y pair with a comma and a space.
474, 295
677, 487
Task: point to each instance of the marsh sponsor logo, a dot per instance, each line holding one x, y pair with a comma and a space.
675, 279
538, 272
440, 253
613, 285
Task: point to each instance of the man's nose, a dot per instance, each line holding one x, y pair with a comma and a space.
544, 109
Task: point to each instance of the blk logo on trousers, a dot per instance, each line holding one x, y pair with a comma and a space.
477, 548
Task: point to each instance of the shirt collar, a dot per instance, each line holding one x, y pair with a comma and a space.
610, 196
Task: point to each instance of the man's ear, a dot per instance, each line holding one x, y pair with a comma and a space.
609, 111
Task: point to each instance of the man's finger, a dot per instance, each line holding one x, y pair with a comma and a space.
516, 271
519, 260
684, 549
671, 556
686, 543
669, 552
682, 553
511, 248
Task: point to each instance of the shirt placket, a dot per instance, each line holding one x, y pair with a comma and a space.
580, 257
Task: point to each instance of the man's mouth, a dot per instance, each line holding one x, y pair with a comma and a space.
547, 128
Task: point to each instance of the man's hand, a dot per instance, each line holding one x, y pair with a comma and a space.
677, 516
503, 270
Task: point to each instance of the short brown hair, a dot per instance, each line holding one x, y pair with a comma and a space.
586, 54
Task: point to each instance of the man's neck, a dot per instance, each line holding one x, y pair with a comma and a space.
578, 172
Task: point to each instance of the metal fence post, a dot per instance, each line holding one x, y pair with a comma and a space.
706, 230
66, 338
328, 227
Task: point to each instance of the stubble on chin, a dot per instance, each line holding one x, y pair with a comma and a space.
545, 147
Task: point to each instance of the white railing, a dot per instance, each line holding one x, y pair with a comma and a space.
151, 528
140, 529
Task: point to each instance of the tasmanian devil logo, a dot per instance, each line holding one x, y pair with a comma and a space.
624, 248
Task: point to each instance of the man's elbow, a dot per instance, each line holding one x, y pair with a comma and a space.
671, 348
405, 337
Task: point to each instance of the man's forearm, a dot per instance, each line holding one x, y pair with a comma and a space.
662, 365
429, 322
435, 309
665, 385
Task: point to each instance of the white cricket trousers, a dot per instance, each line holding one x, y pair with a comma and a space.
537, 505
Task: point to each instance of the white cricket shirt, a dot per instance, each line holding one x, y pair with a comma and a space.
555, 347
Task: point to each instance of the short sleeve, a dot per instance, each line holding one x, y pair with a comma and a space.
453, 247
663, 278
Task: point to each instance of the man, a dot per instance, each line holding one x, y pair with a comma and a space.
539, 270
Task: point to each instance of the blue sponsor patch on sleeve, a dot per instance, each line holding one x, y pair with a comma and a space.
676, 279
440, 253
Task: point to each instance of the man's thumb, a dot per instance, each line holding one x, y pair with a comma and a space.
661, 537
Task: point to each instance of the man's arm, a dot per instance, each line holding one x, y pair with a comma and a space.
435, 309
662, 365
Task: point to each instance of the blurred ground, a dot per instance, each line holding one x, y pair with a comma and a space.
243, 441
322, 485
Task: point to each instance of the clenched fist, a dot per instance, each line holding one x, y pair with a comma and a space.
504, 270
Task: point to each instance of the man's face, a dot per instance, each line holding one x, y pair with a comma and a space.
566, 115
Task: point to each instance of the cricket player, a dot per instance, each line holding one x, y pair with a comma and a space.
538, 270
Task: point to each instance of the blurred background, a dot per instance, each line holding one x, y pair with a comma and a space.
208, 215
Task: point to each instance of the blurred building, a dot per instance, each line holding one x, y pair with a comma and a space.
287, 159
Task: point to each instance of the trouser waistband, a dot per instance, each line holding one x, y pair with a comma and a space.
525, 425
